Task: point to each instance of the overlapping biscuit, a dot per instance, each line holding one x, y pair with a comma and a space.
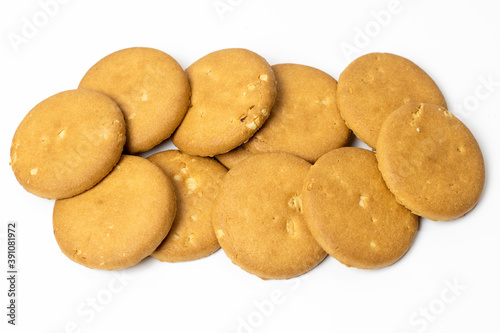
305, 121
233, 157
258, 221
374, 85
150, 87
351, 212
67, 143
274, 214
233, 92
430, 161
119, 221
196, 181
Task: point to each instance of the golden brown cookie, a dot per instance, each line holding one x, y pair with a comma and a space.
196, 181
258, 221
67, 143
374, 85
305, 121
233, 157
430, 161
351, 212
150, 87
119, 221
233, 92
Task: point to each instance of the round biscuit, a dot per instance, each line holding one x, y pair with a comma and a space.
430, 161
67, 143
258, 221
150, 87
119, 221
233, 92
304, 121
351, 212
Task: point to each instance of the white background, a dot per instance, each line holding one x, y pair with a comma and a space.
451, 269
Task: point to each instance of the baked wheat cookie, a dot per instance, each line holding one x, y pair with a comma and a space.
67, 143
233, 157
258, 221
374, 85
233, 91
430, 161
150, 87
119, 221
305, 121
351, 212
196, 181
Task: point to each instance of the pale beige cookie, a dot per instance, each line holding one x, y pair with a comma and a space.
119, 221
67, 143
351, 212
305, 121
233, 157
430, 161
196, 181
374, 85
258, 221
150, 87
233, 92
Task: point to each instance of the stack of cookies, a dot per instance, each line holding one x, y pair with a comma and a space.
293, 193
